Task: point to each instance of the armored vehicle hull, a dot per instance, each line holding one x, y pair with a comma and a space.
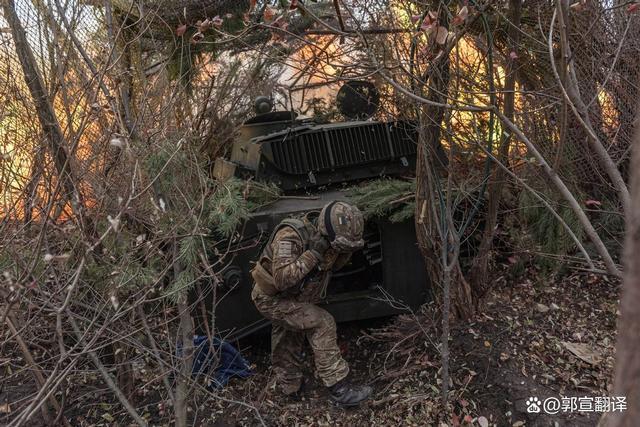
387, 277
311, 163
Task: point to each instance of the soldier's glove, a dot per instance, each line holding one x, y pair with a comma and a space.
319, 245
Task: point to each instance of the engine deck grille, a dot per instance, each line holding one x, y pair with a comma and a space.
342, 146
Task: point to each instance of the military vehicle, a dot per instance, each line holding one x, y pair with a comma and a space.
313, 163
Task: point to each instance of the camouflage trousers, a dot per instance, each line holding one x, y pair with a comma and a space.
293, 322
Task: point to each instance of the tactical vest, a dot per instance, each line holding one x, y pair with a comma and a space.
261, 273
302, 228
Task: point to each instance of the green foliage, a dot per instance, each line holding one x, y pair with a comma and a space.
388, 198
188, 249
125, 276
174, 168
545, 229
195, 212
197, 206
227, 207
234, 200
181, 284
124, 265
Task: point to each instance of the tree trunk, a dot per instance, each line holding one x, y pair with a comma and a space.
429, 223
479, 272
627, 371
185, 361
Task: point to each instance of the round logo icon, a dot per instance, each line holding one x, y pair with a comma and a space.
533, 405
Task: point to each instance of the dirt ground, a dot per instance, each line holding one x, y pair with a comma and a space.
519, 347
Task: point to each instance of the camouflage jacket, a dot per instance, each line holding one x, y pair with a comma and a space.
297, 271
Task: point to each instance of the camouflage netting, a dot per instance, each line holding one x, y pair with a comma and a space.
173, 12
605, 42
25, 183
606, 46
145, 79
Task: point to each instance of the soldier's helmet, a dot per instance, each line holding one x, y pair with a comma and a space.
343, 225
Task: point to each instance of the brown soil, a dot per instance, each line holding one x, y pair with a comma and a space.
512, 351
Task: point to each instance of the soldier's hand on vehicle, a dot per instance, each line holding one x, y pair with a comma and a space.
319, 245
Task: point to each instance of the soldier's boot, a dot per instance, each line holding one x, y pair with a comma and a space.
346, 394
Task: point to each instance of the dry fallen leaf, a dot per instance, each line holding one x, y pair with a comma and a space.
584, 352
483, 422
461, 16
427, 26
542, 308
441, 35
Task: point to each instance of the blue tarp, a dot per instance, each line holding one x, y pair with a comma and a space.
221, 363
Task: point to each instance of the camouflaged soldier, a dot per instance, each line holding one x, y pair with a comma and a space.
290, 277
